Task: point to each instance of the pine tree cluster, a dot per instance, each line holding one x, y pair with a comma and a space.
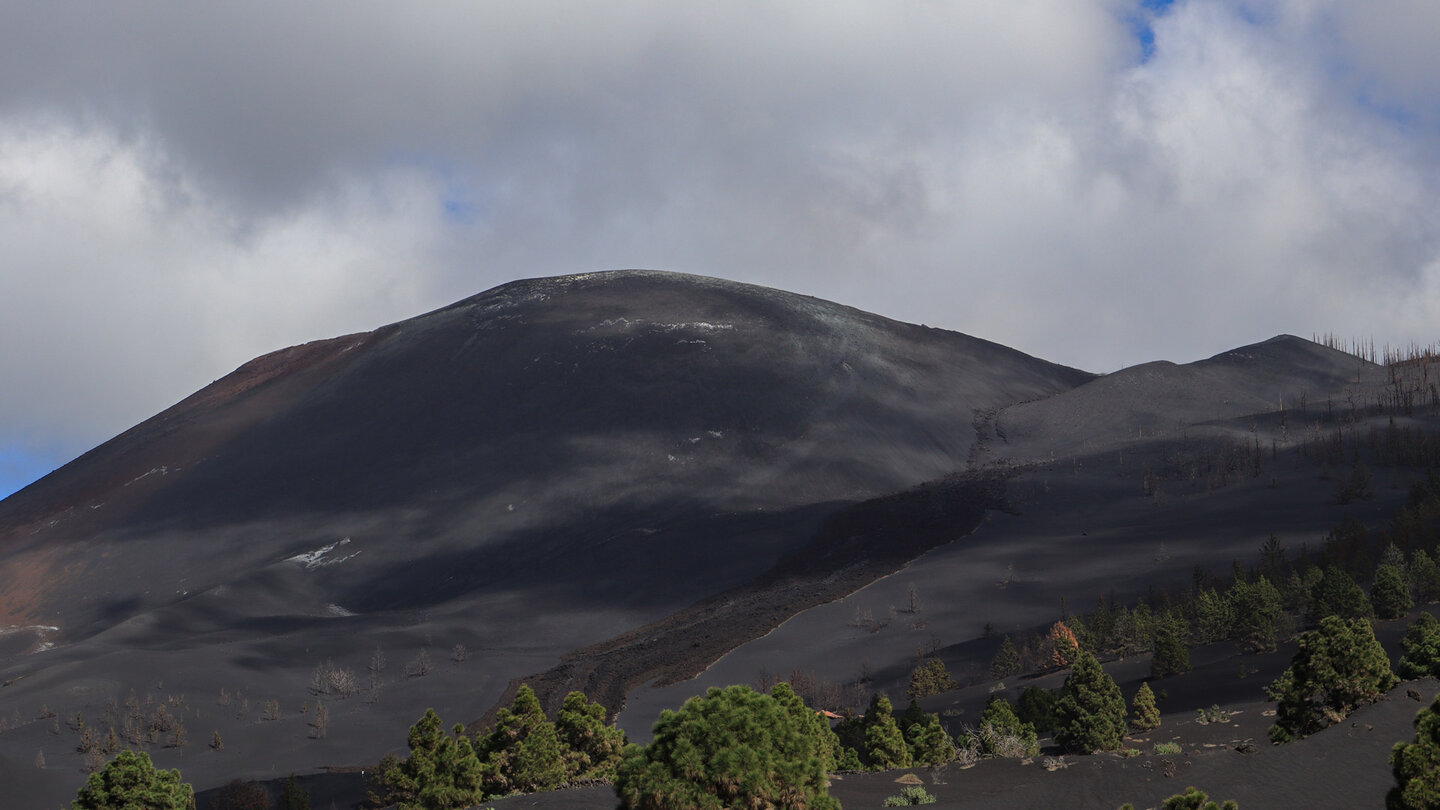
522, 753
1422, 649
1416, 765
1338, 667
131, 780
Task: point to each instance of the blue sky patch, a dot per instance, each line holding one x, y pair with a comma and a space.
20, 467
1140, 25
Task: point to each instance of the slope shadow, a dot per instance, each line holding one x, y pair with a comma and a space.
852, 548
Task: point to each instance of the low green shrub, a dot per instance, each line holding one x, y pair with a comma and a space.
1214, 714
909, 796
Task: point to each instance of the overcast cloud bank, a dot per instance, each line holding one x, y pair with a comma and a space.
185, 187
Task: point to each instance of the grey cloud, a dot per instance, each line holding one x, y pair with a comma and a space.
246, 176
266, 99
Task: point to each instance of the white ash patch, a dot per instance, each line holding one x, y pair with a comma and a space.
654, 326
338, 611
162, 470
40, 629
317, 558
42, 635
700, 325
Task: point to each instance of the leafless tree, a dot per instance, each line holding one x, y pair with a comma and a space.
111, 744
420, 665
89, 741
320, 723
330, 679
765, 680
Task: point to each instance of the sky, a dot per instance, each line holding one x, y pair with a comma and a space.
185, 186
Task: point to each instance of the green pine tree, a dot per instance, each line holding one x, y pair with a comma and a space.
402, 779
1090, 715
1171, 657
913, 714
1003, 734
292, 796
1337, 668
849, 760
592, 747
1392, 555
812, 724
442, 771
1295, 593
1336, 594
1422, 649
885, 745
1036, 706
1006, 661
1134, 630
929, 744
1273, 559
930, 678
1212, 616
1255, 611
130, 780
462, 782
1389, 595
851, 733
1424, 577
1144, 714
731, 748
522, 753
1416, 765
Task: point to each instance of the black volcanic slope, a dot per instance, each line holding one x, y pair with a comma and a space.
539, 469
596, 431
629, 480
